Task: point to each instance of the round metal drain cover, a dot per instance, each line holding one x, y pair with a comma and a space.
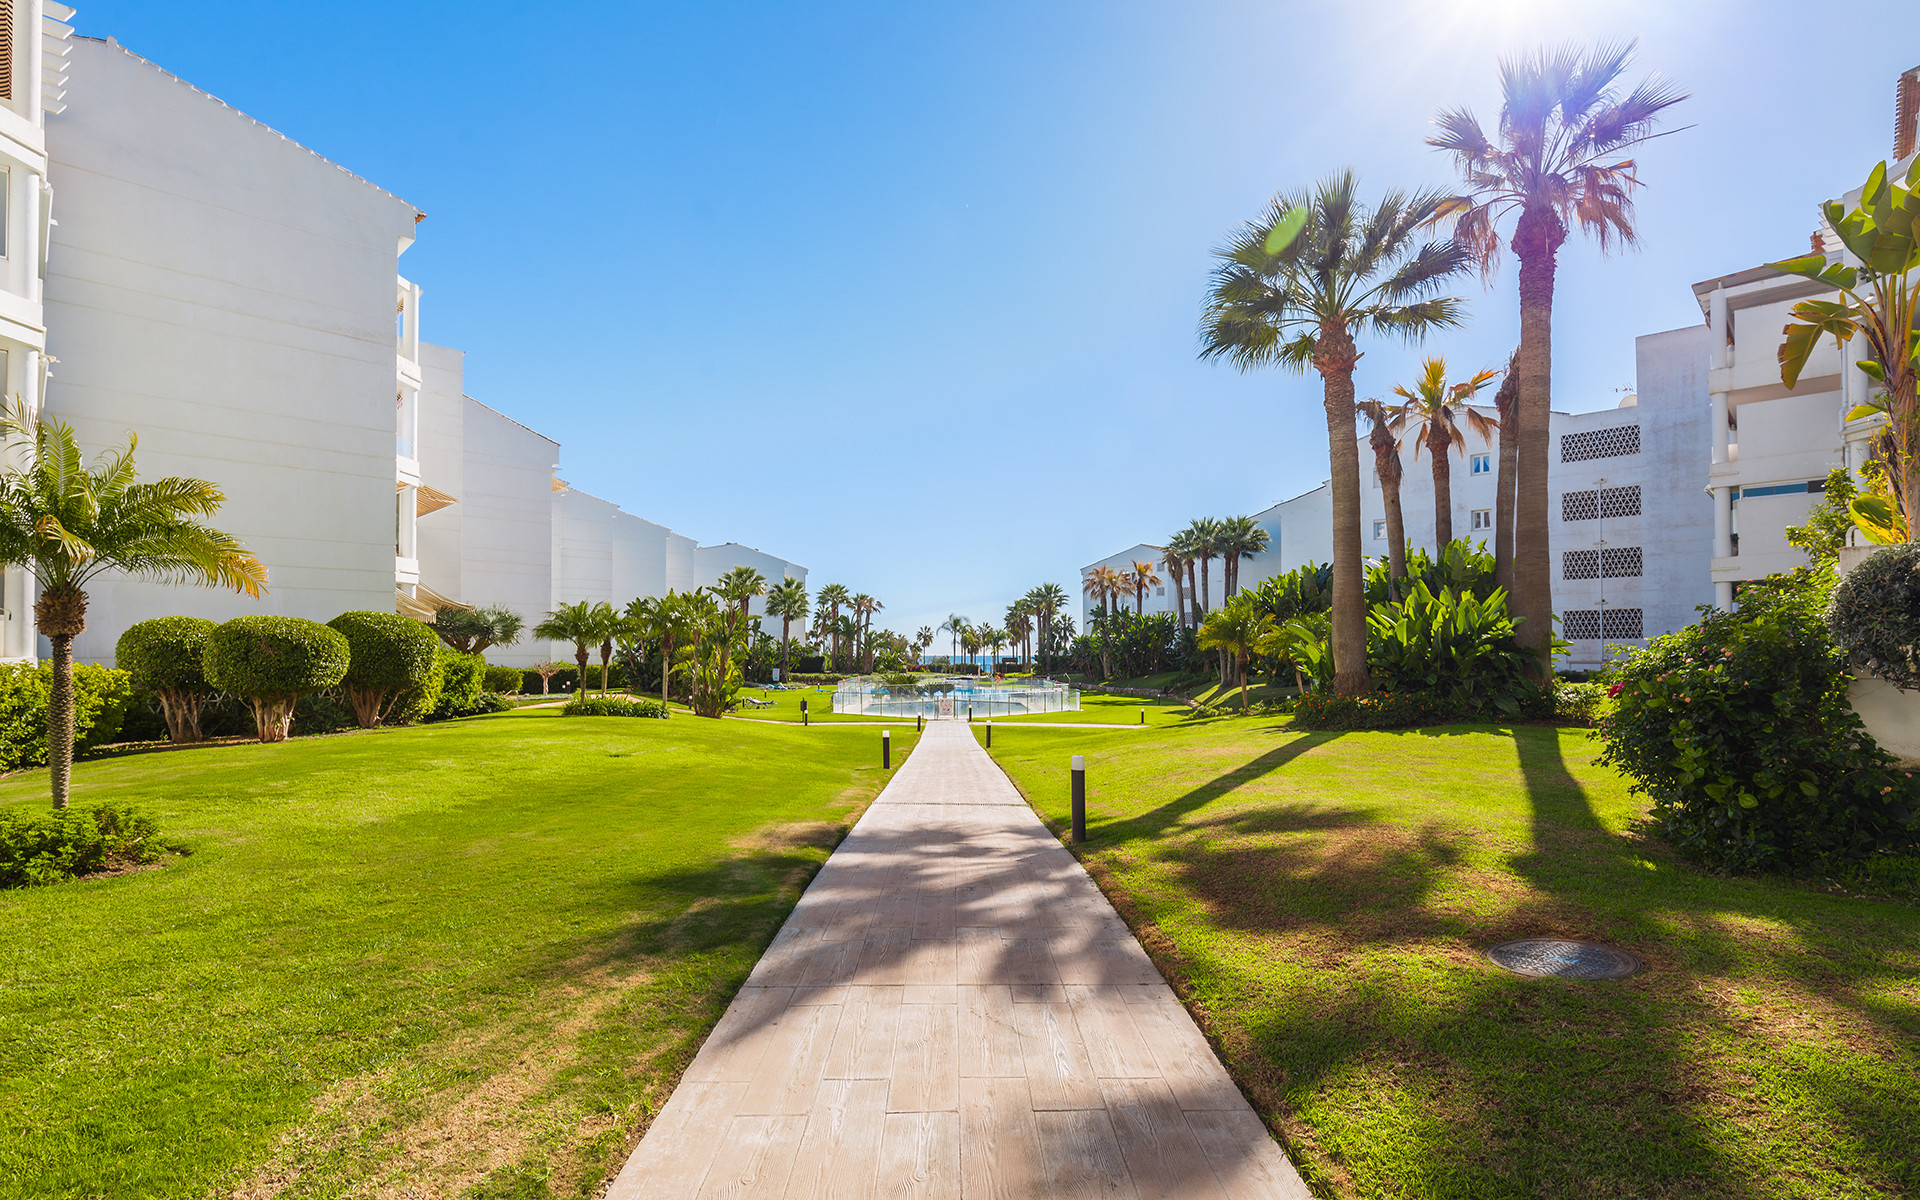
1560, 958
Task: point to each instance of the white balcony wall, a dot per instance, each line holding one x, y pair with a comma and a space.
230, 294
711, 562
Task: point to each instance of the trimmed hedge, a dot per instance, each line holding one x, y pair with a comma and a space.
388, 655
48, 847
462, 679
100, 699
505, 680
613, 706
164, 656
272, 662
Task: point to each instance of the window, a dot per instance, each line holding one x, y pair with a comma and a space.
1600, 443
6, 203
1786, 489
6, 49
1162, 590
1482, 464
1619, 562
1480, 518
1595, 624
1379, 531
1608, 502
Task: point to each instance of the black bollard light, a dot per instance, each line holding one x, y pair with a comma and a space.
886, 749
803, 712
969, 714
1079, 798
1143, 716
989, 735
919, 722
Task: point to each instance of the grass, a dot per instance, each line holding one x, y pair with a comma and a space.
786, 706
464, 959
1097, 709
1325, 901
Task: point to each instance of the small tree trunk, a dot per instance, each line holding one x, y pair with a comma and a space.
60, 719
366, 705
272, 717
1505, 403
181, 707
666, 666
1439, 443
580, 657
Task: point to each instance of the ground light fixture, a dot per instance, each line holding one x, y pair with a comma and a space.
1079, 798
886, 749
989, 735
1564, 958
803, 712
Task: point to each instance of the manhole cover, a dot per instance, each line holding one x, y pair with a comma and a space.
1559, 958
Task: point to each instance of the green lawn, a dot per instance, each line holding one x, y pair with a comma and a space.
1325, 901
786, 706
462, 959
1098, 709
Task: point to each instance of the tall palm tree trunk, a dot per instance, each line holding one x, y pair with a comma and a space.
1206, 591
1396, 529
1536, 241
1505, 402
1334, 358
666, 665
1439, 443
1179, 601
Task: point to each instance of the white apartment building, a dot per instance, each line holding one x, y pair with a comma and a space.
1629, 526
236, 300
1772, 447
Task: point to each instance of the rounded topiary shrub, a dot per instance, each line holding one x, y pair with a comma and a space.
504, 680
1875, 616
163, 656
389, 655
272, 662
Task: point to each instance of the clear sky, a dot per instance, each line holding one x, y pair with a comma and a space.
907, 292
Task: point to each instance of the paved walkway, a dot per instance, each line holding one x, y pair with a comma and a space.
954, 1010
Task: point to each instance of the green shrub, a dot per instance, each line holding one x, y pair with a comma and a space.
418, 702
505, 680
461, 679
1893, 874
1739, 731
612, 706
1378, 710
47, 847
272, 662
493, 702
100, 698
1454, 647
322, 712
1875, 615
388, 655
163, 656
1579, 702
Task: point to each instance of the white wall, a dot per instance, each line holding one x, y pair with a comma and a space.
711, 562
441, 453
1158, 599
229, 294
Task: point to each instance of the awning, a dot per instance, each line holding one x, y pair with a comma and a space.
424, 603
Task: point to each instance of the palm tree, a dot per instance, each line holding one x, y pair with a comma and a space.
1386, 465
1565, 127
738, 587
1242, 628
921, 641
65, 523
1204, 536
955, 625
1240, 538
1173, 556
1046, 601
1020, 628
659, 619
1143, 578
578, 623
1292, 290
1428, 414
829, 602
1505, 399
788, 601
1102, 585
865, 606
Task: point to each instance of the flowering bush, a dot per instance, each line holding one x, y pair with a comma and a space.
1739, 730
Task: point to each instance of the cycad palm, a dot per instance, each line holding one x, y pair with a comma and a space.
66, 522
1428, 416
1293, 290
1565, 127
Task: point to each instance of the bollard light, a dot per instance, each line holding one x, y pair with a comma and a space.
969, 714
886, 749
989, 734
919, 722
803, 712
1079, 798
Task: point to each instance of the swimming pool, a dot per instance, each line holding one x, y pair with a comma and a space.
955, 698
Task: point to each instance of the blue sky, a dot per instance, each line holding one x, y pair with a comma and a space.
907, 293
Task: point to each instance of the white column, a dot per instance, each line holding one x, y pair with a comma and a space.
1717, 321
1723, 542
1723, 596
406, 541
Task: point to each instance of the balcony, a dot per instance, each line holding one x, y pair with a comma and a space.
406, 330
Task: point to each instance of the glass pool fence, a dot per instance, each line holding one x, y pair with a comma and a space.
953, 698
